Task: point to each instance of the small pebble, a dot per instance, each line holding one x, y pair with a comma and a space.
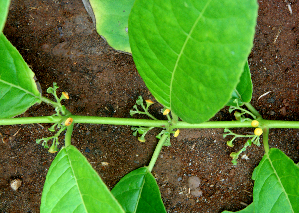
105, 163
193, 182
196, 193
271, 100
245, 157
15, 184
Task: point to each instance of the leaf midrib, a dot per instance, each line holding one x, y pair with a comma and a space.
183, 48
139, 196
278, 178
238, 94
20, 88
76, 179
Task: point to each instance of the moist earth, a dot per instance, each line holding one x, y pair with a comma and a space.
195, 174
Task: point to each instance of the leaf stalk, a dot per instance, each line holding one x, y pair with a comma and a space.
157, 152
265, 139
68, 135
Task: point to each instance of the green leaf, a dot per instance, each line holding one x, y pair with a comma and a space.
248, 209
112, 21
4, 7
243, 91
72, 185
276, 186
18, 90
139, 192
191, 53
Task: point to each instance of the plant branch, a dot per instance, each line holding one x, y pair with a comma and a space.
48, 101
148, 114
253, 110
68, 135
157, 152
265, 139
147, 122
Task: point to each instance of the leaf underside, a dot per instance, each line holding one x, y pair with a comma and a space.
18, 90
72, 185
243, 91
139, 192
112, 21
191, 53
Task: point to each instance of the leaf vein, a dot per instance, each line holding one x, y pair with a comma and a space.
184, 45
20, 88
279, 181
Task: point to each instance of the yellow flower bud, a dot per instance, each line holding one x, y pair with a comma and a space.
237, 115
149, 101
166, 111
255, 123
53, 149
258, 131
177, 132
141, 139
66, 95
68, 121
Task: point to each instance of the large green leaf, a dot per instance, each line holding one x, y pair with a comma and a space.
276, 186
112, 21
72, 185
248, 209
139, 192
18, 90
191, 53
4, 7
243, 91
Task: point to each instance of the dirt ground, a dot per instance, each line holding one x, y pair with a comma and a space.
58, 40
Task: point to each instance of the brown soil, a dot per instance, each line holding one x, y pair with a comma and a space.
58, 40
